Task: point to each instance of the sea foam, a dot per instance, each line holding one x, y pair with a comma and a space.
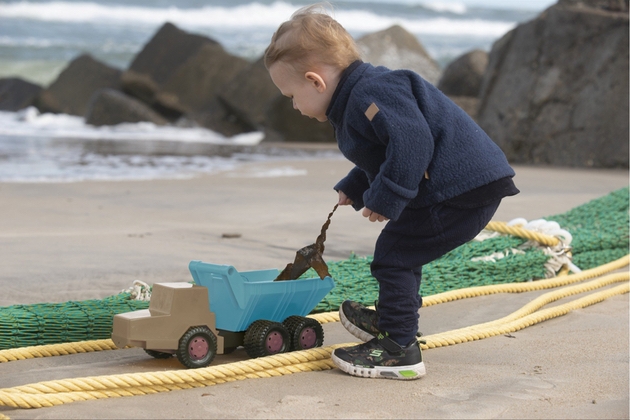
251, 15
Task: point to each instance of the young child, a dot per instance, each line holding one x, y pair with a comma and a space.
421, 163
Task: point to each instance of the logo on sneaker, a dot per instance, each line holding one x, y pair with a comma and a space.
376, 353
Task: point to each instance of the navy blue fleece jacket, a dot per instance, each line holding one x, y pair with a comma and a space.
412, 146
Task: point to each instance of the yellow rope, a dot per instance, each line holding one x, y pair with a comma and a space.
528, 314
521, 232
107, 344
56, 350
502, 227
526, 286
50, 393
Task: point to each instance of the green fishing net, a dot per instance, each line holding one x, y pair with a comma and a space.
600, 235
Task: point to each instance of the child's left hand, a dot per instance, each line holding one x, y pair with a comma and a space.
373, 216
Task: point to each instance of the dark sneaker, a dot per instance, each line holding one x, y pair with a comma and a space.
381, 357
359, 320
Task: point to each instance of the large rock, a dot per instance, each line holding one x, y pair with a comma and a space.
198, 80
17, 93
281, 119
73, 88
179, 74
396, 48
252, 97
469, 104
463, 76
250, 92
556, 88
111, 107
166, 51
610, 5
194, 87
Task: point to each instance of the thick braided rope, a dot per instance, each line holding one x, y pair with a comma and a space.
51, 393
46, 394
107, 344
522, 317
43, 394
521, 232
56, 350
558, 281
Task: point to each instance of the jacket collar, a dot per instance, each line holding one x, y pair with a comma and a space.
348, 79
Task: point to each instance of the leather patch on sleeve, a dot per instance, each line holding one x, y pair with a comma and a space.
371, 111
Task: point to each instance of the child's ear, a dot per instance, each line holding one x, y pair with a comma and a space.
315, 80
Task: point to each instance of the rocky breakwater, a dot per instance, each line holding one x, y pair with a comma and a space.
556, 88
188, 79
553, 90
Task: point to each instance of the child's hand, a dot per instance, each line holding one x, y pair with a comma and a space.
373, 216
344, 200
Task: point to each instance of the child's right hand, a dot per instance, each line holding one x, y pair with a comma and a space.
344, 200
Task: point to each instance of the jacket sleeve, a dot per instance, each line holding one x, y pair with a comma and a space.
400, 127
354, 185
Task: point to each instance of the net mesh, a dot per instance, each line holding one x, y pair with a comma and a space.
600, 235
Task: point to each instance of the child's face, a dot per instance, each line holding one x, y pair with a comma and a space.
308, 91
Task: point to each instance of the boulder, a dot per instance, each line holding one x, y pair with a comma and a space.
253, 98
166, 51
111, 107
17, 93
156, 63
556, 88
610, 5
287, 123
219, 117
396, 48
198, 80
463, 76
73, 88
249, 93
179, 74
469, 104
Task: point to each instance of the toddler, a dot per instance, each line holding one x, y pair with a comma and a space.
421, 163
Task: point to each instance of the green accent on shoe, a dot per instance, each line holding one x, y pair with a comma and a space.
408, 373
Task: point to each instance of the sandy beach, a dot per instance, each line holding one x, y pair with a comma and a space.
89, 240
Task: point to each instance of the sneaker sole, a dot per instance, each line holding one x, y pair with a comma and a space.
405, 373
353, 329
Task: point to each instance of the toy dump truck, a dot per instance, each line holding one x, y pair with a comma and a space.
223, 310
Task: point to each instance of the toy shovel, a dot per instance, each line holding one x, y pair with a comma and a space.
309, 256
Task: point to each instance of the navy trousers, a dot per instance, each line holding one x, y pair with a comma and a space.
418, 237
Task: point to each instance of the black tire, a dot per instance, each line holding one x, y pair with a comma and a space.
305, 333
158, 354
264, 338
197, 347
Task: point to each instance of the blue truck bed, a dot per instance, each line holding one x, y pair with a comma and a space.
238, 299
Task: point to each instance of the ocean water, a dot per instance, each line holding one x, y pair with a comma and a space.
39, 38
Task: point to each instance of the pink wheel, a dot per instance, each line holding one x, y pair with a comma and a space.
197, 347
305, 333
264, 338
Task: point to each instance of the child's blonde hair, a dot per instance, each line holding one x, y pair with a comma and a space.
312, 36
